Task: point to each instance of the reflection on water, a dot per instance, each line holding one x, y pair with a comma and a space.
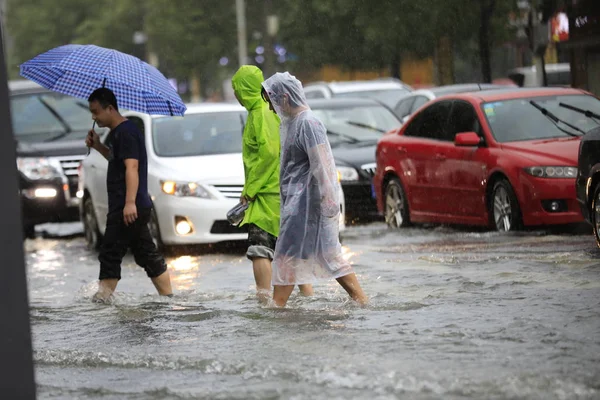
184, 271
453, 315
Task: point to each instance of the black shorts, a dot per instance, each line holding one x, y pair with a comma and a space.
261, 244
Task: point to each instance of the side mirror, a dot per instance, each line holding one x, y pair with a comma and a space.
467, 139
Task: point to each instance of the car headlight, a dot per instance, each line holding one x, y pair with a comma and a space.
346, 174
39, 168
552, 172
189, 189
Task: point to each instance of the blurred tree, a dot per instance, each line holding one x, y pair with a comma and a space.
115, 28
362, 34
39, 25
191, 37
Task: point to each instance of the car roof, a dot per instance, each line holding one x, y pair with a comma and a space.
515, 93
438, 91
25, 86
360, 86
342, 102
199, 108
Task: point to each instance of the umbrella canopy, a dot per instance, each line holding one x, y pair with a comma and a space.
78, 70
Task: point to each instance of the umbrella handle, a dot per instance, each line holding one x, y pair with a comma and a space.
89, 148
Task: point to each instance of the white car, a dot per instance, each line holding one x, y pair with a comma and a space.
195, 175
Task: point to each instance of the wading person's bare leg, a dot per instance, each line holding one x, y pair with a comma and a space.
281, 294
351, 285
106, 287
262, 276
162, 283
306, 290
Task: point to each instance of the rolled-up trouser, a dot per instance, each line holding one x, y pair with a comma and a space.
261, 244
119, 237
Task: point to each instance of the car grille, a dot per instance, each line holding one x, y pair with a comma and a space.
70, 165
224, 227
369, 169
230, 191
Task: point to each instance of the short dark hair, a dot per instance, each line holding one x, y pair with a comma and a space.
105, 97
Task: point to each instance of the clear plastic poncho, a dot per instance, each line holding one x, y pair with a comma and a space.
308, 247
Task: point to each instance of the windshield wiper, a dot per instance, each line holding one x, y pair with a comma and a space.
555, 120
361, 125
590, 114
350, 139
60, 119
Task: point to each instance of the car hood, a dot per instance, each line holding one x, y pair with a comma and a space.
354, 156
51, 149
547, 152
221, 168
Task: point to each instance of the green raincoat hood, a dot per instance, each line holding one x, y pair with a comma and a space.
246, 84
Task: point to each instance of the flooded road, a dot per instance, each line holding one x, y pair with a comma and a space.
453, 315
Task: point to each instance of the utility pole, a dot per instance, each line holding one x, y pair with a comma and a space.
240, 11
16, 359
537, 31
272, 25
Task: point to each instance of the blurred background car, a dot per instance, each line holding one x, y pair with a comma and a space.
49, 130
387, 91
556, 74
353, 127
410, 103
490, 158
195, 175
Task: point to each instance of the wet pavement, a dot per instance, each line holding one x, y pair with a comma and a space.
453, 315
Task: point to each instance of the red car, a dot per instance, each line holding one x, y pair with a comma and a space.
503, 158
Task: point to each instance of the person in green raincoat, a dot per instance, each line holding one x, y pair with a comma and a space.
260, 153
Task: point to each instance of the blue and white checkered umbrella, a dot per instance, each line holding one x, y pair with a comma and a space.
78, 70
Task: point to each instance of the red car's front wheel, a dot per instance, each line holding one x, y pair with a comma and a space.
504, 210
396, 205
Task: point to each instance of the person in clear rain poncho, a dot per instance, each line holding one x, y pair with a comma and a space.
308, 247
260, 154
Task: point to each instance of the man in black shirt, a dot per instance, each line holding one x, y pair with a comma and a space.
129, 204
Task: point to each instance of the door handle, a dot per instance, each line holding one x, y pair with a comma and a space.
440, 156
92, 166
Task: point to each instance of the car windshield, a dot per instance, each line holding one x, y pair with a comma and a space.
389, 97
517, 119
356, 124
199, 134
49, 116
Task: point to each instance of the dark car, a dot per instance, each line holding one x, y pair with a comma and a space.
49, 130
353, 127
588, 176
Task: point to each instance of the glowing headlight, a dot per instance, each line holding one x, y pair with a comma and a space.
39, 168
346, 174
552, 172
190, 189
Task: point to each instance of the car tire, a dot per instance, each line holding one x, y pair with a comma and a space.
396, 205
93, 238
155, 231
503, 208
595, 214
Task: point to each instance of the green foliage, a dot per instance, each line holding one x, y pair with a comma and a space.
190, 36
